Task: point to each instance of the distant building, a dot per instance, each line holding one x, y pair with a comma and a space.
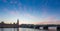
3, 25
17, 21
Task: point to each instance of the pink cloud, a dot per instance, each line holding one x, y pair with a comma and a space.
49, 20
13, 2
4, 0
44, 11
30, 16
14, 13
19, 4
5, 9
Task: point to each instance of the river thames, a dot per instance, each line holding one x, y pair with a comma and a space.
25, 29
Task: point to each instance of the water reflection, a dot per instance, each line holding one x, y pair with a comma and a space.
17, 29
2, 29
23, 29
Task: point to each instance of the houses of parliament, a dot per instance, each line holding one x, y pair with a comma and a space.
4, 25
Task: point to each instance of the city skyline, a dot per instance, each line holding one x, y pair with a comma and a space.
30, 11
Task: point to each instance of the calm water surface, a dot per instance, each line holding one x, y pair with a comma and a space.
24, 29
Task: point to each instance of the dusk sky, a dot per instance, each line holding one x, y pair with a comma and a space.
30, 11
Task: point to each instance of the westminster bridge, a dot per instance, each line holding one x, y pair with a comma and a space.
45, 26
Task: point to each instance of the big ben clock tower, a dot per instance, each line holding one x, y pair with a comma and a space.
17, 21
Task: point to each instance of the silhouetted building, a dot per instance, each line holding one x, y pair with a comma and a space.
4, 25
17, 21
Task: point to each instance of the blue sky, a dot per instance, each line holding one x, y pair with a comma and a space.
30, 11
